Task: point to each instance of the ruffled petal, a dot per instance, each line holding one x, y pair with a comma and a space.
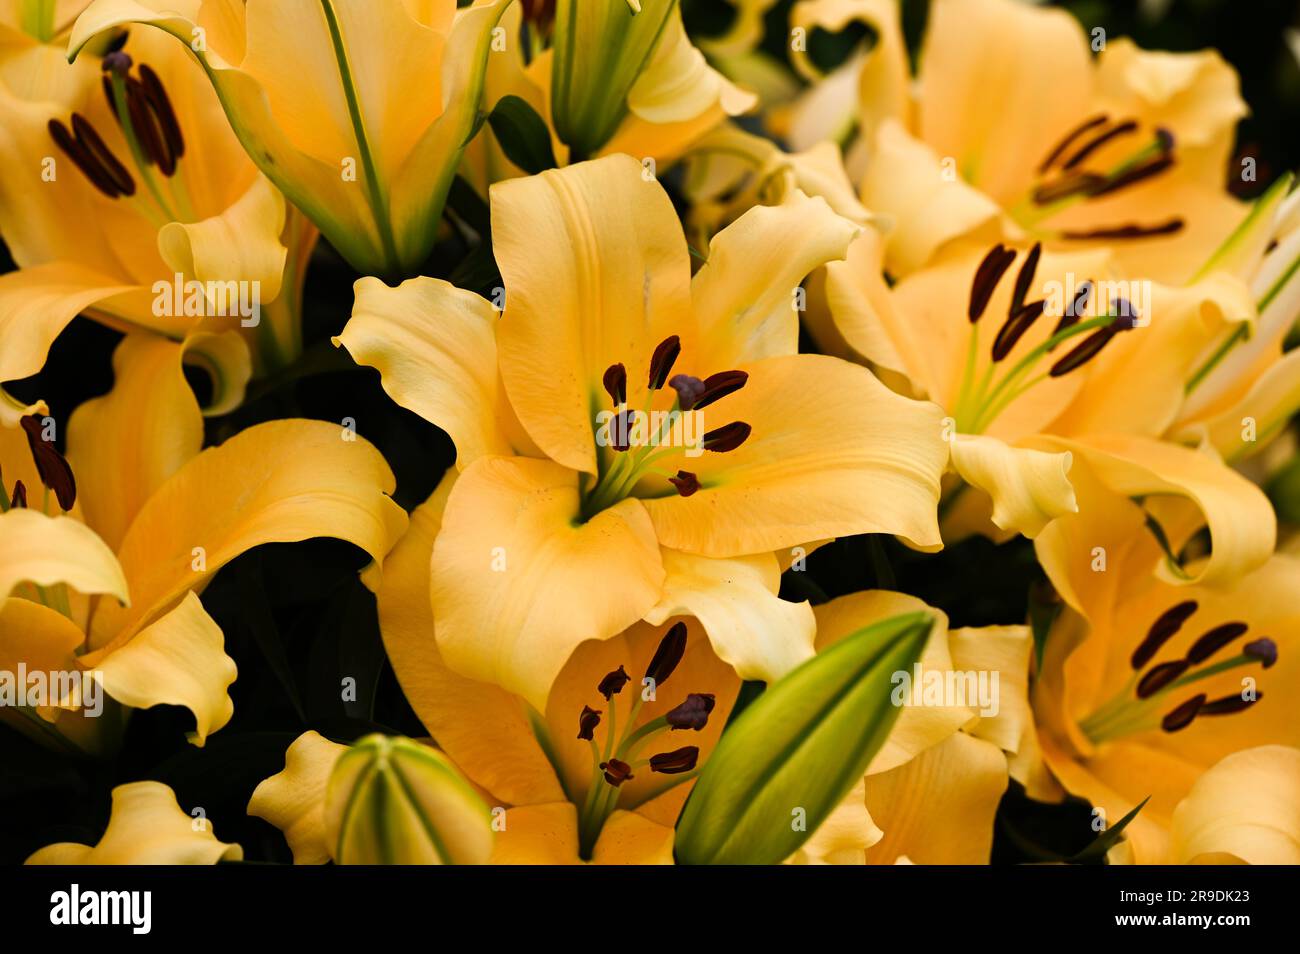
1029, 488
293, 800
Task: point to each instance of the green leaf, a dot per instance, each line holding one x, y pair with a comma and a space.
799, 748
1104, 842
523, 135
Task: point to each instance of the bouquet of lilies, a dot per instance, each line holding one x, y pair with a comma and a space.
806, 440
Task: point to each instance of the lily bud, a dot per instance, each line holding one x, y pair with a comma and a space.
799, 748
600, 52
391, 800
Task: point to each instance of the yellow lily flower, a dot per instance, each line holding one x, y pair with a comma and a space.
1014, 343
565, 525
147, 827
599, 776
131, 200
1031, 135
931, 793
1155, 670
357, 111
153, 522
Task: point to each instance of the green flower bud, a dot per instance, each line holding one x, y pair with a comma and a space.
794, 753
393, 801
600, 50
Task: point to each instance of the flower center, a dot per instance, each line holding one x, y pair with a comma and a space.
1065, 179
979, 402
144, 114
618, 759
634, 443
1144, 704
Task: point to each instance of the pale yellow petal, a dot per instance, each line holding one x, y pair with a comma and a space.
1029, 488
1001, 652
519, 581
938, 809
281, 481
1245, 809
48, 550
293, 800
434, 346
484, 728
745, 295
180, 660
759, 634
844, 837
147, 827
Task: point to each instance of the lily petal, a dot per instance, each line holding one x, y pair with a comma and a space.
48, 550
434, 346
1029, 488
282, 481
484, 728
745, 293
833, 452
1242, 810
759, 634
179, 660
519, 582
147, 827
293, 800
938, 808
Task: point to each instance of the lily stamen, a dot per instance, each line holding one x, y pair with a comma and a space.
1136, 708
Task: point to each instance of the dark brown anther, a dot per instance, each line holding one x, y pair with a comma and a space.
1264, 650
620, 431
990, 271
1074, 311
667, 655
662, 361
688, 388
727, 438
1162, 630
1123, 129
1165, 139
161, 105
1073, 183
685, 482
616, 772
1139, 173
20, 495
1070, 138
112, 180
1130, 231
539, 12
1084, 352
1024, 279
615, 381
1214, 640
50, 464
1014, 328
676, 762
146, 131
587, 723
1229, 705
717, 386
613, 683
1181, 716
693, 713
1158, 677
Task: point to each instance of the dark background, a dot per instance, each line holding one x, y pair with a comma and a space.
297, 621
